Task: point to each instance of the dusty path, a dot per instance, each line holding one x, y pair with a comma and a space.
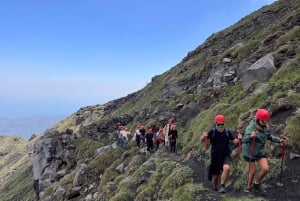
290, 191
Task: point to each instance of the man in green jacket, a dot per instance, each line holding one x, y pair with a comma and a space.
253, 148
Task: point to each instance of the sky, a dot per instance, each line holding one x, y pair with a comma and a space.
57, 56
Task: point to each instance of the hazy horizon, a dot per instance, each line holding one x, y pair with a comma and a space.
59, 56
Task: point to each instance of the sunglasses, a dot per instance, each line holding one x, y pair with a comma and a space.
220, 124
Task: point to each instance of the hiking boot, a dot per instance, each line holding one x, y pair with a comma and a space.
258, 188
247, 190
222, 189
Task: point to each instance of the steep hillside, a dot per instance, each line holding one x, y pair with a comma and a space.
16, 168
253, 64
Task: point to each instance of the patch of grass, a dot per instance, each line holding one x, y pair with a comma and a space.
136, 162
100, 163
67, 182
244, 198
20, 186
292, 35
287, 75
146, 194
179, 177
123, 196
185, 192
108, 176
85, 148
292, 129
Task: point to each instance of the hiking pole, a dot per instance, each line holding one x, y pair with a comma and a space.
283, 152
205, 158
251, 155
239, 144
252, 147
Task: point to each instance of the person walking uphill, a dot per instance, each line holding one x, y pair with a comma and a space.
173, 138
158, 137
253, 147
137, 136
220, 139
149, 139
166, 131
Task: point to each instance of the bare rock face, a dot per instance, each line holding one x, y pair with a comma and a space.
261, 70
51, 152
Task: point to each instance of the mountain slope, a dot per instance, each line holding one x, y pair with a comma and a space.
252, 64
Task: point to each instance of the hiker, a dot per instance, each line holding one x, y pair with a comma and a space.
173, 138
166, 131
149, 139
158, 137
119, 134
253, 148
220, 139
143, 133
137, 136
125, 132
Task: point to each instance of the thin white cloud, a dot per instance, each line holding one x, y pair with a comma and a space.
265, 1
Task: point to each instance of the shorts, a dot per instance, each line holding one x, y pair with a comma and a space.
253, 159
216, 166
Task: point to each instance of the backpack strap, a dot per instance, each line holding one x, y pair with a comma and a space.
214, 133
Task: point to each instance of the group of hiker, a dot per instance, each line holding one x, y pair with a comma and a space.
252, 145
166, 135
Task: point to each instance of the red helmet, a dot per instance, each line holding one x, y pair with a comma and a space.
262, 114
219, 118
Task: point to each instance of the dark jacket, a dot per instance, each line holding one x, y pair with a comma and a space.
262, 135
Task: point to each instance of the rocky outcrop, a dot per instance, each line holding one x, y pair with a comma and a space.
52, 152
261, 70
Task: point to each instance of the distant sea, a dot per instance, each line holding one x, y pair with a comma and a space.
25, 127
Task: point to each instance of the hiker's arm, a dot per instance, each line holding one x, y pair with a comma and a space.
247, 137
273, 138
236, 140
205, 135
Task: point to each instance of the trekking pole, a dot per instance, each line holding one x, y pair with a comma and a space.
239, 144
252, 146
205, 158
283, 152
251, 154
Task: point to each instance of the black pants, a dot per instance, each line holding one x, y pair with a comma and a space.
138, 140
173, 145
149, 145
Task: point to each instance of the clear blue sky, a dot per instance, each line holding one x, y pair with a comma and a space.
59, 55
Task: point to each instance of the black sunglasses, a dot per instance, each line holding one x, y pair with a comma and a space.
220, 124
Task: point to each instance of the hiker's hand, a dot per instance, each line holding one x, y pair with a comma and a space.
204, 136
283, 140
239, 136
253, 133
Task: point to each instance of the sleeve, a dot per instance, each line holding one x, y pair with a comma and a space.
209, 134
272, 137
247, 135
231, 137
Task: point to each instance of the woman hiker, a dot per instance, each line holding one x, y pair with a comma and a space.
253, 148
